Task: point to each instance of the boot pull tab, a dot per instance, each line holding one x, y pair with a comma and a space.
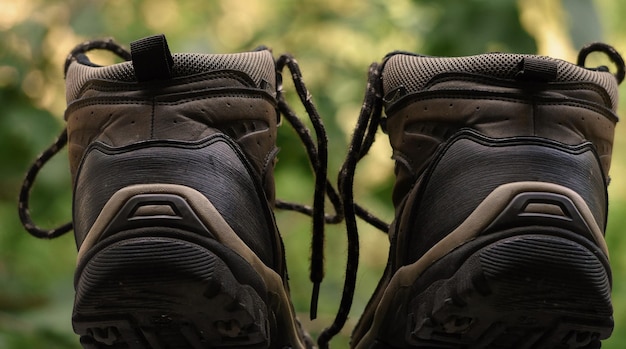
536, 69
151, 58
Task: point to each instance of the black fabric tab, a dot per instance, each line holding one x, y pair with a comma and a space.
536, 69
152, 58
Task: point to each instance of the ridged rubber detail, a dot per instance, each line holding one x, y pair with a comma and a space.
528, 291
160, 292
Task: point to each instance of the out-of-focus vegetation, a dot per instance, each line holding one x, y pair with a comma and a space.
334, 41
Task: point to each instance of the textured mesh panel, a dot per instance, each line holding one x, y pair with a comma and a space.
414, 72
259, 65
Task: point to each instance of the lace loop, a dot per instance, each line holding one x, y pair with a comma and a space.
27, 184
78, 53
613, 55
24, 197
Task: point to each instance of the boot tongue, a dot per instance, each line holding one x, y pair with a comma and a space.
536, 69
151, 58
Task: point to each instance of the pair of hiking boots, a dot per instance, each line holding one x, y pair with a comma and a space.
501, 171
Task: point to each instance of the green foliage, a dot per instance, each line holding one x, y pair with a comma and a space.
333, 40
491, 25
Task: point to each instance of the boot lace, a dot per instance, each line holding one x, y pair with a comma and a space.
318, 156
362, 139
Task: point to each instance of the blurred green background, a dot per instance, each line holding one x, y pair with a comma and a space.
334, 42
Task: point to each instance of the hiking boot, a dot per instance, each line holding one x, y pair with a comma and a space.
172, 158
501, 164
